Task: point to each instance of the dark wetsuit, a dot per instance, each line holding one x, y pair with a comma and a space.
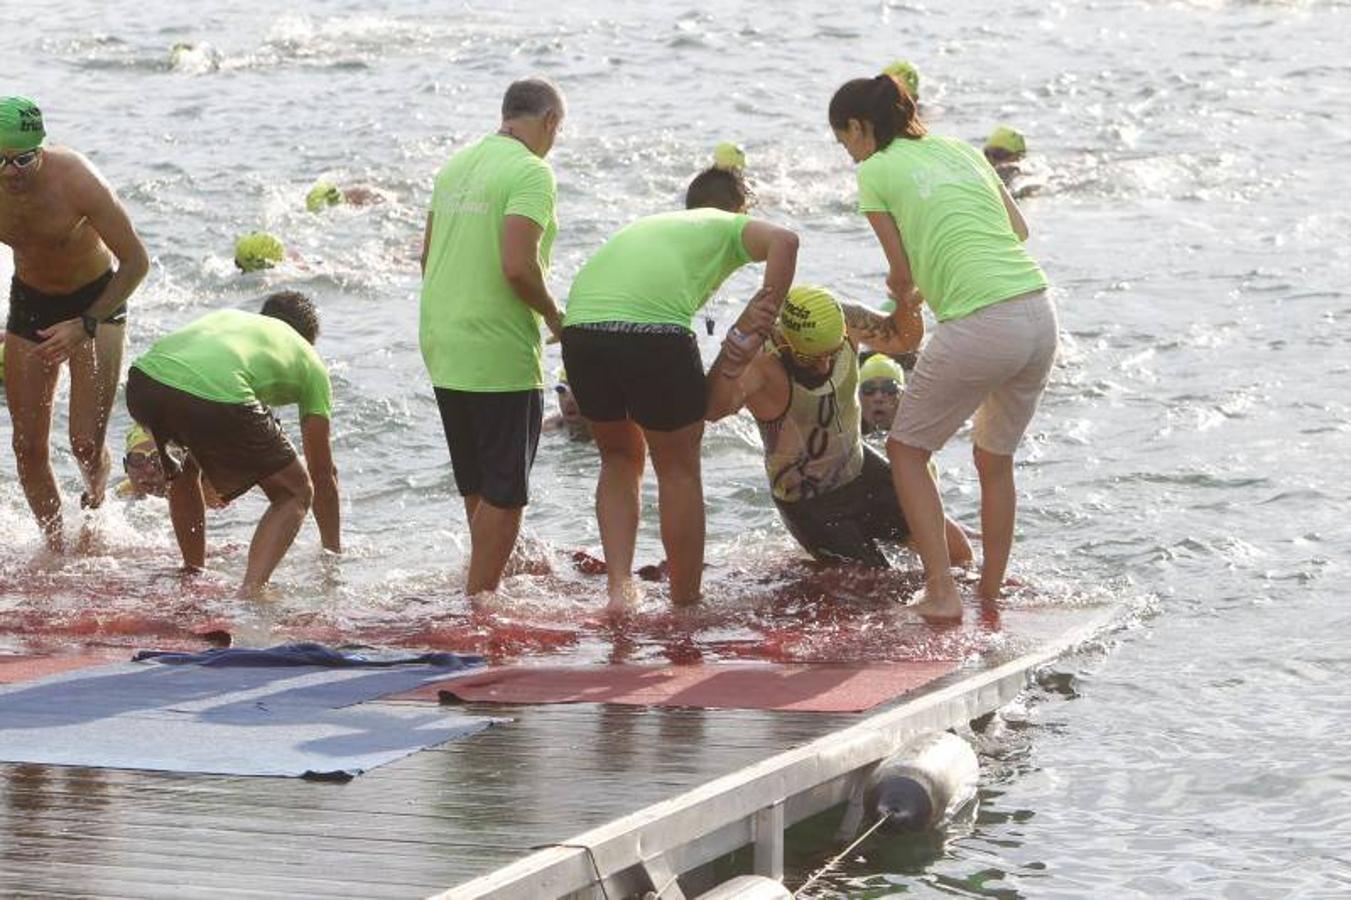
30, 310
847, 523
832, 491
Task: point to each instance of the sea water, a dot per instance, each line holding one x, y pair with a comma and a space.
1188, 462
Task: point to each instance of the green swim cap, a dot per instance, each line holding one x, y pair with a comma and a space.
20, 124
879, 365
258, 250
728, 157
811, 321
1010, 140
908, 75
323, 194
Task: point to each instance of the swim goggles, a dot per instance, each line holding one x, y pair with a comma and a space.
22, 160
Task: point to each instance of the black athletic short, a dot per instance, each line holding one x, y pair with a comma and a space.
492, 439
847, 523
30, 310
236, 445
651, 374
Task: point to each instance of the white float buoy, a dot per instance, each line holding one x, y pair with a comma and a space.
928, 780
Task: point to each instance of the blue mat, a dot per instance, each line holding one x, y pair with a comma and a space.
268, 719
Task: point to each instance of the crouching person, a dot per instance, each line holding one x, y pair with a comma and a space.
209, 388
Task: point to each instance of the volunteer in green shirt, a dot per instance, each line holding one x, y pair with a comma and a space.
208, 389
953, 238
634, 364
485, 254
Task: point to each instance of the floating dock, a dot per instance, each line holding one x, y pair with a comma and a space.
568, 800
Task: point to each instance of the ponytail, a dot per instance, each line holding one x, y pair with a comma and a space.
882, 102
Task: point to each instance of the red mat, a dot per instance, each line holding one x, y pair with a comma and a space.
14, 669
798, 688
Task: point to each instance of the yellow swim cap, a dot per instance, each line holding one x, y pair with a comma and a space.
879, 365
1010, 140
811, 321
908, 75
323, 194
139, 440
258, 250
729, 157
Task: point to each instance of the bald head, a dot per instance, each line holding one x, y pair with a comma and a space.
532, 98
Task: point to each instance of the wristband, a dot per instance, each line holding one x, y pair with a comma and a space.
741, 339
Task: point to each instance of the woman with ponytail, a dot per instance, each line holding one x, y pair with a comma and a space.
953, 238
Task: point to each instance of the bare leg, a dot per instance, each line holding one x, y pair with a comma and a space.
187, 511
492, 537
619, 501
680, 498
95, 369
289, 494
30, 385
998, 508
923, 508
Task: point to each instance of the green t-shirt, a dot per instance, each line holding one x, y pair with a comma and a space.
476, 334
945, 200
660, 269
231, 356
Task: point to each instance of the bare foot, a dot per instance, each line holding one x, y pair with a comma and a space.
625, 595
939, 606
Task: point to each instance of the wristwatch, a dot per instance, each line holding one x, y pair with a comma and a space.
91, 325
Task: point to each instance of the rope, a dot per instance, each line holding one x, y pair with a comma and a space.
590, 854
839, 856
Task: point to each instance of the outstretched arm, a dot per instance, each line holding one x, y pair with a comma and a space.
1016, 220
900, 332
314, 435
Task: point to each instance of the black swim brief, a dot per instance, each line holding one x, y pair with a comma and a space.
30, 310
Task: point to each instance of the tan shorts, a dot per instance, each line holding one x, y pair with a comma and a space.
994, 363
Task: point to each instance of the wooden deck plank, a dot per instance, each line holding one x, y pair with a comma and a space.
407, 829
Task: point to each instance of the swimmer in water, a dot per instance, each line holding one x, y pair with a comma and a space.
77, 259
569, 419
833, 492
325, 194
880, 379
145, 473
1005, 150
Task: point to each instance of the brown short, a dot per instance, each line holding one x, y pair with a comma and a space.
236, 445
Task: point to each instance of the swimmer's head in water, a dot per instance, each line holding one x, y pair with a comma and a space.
1005, 143
142, 464
258, 250
324, 194
907, 74
723, 184
21, 125
879, 365
296, 310
811, 321
728, 156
